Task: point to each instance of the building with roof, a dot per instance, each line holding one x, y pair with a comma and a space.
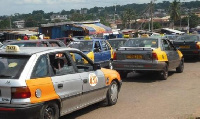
66, 29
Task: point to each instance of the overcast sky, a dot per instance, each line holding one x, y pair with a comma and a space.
10, 7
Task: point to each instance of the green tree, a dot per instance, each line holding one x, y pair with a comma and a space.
127, 17
30, 22
5, 23
174, 11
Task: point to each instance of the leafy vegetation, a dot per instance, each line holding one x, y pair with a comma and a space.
127, 13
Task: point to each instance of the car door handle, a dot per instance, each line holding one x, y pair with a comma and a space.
60, 85
85, 80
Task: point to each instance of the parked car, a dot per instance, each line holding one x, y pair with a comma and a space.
67, 40
189, 45
36, 43
47, 83
98, 50
147, 55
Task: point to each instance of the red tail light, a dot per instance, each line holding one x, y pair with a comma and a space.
197, 46
154, 56
22, 92
114, 56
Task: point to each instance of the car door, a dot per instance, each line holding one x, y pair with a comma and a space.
171, 54
67, 84
94, 87
97, 52
175, 55
106, 53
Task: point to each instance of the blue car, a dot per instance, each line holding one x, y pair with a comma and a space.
98, 50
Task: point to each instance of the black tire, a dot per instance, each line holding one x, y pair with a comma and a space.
49, 110
180, 68
112, 94
123, 74
164, 73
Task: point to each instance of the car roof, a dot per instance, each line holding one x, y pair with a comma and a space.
91, 40
118, 39
34, 50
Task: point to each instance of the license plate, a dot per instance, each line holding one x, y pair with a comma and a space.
134, 56
186, 46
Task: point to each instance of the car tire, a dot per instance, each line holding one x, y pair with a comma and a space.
123, 74
112, 94
49, 110
180, 68
164, 73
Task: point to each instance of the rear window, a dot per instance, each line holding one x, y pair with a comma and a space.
116, 43
189, 38
12, 66
142, 43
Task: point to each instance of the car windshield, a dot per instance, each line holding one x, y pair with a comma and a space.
189, 38
141, 43
12, 66
116, 43
82, 45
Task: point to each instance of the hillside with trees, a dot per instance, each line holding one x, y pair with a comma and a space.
123, 12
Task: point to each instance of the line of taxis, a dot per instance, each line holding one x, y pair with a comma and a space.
46, 83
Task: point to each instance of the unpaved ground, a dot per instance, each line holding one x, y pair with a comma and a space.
146, 97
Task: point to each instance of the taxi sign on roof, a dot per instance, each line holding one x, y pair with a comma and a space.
12, 48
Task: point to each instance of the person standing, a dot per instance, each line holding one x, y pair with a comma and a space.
25, 37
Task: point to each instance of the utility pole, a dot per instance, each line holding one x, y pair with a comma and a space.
115, 14
151, 12
188, 29
10, 23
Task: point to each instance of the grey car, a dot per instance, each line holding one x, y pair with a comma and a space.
148, 55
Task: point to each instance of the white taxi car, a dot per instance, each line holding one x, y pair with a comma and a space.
46, 83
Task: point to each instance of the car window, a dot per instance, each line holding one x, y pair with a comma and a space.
12, 66
166, 45
97, 46
142, 43
54, 44
41, 68
116, 43
60, 64
82, 63
188, 38
105, 46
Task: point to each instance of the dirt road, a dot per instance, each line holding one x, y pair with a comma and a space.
146, 97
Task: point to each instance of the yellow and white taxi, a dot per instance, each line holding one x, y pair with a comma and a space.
46, 83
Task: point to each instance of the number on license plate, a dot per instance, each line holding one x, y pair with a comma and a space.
134, 56
186, 46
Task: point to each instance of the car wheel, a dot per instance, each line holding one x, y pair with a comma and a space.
112, 94
110, 65
49, 110
164, 73
180, 68
123, 74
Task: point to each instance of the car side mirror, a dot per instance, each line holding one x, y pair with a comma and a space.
177, 48
96, 66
